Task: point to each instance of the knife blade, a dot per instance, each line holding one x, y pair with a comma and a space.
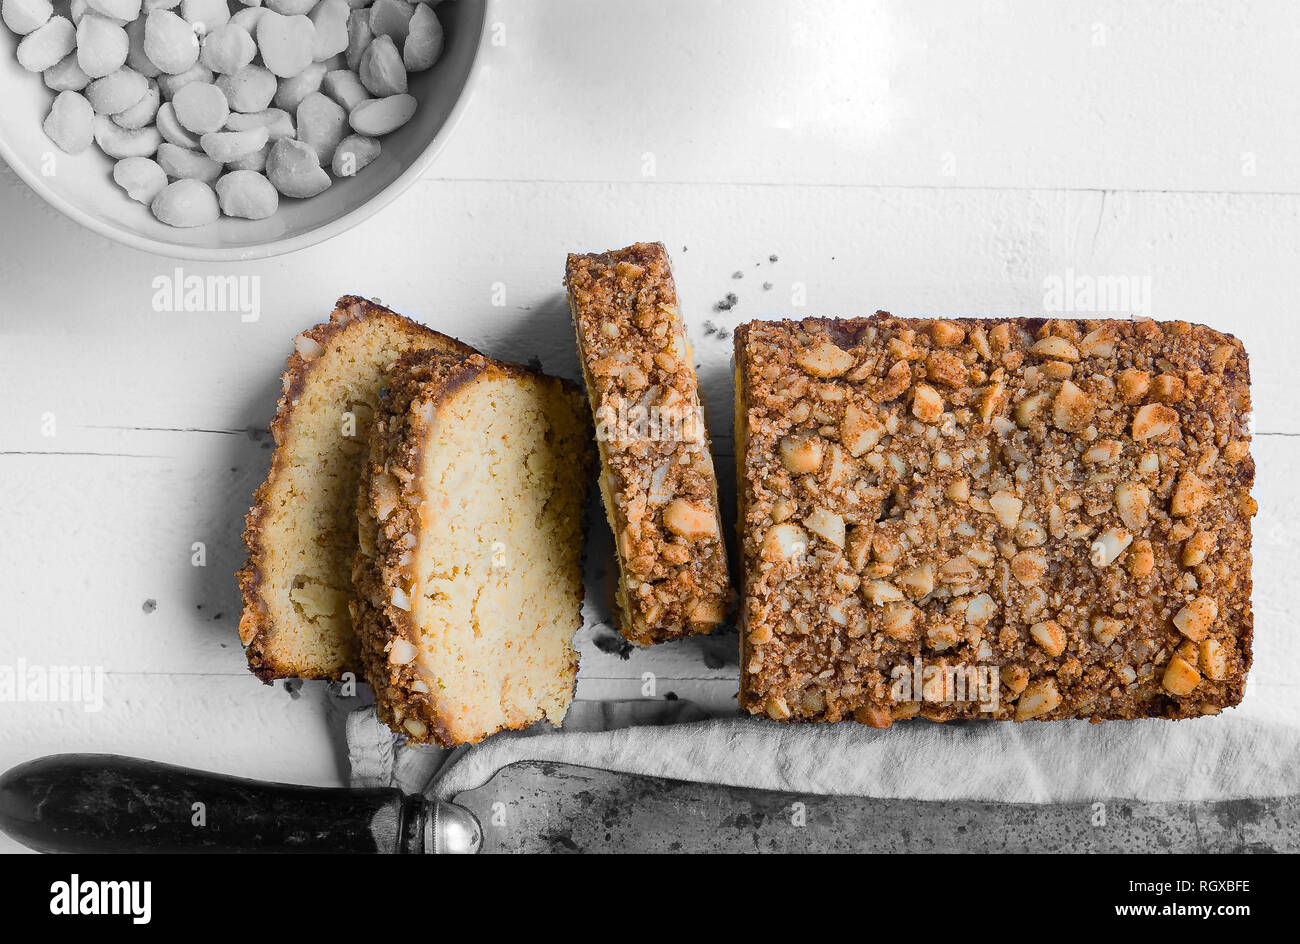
547, 807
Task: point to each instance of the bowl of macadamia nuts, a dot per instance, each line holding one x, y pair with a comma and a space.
225, 129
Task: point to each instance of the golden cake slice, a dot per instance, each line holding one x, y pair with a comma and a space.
301, 534
469, 572
657, 478
1016, 518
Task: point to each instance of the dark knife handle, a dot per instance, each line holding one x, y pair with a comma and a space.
109, 803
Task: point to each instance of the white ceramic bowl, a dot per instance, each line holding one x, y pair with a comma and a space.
82, 187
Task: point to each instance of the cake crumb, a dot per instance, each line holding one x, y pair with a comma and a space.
613, 644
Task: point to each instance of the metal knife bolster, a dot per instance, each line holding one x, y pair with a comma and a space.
449, 829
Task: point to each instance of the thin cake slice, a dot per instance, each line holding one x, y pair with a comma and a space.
301, 534
658, 483
469, 572
1010, 519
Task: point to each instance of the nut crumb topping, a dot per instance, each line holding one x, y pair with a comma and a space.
1067, 502
657, 476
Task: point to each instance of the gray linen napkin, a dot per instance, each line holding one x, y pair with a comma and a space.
1225, 757
380, 758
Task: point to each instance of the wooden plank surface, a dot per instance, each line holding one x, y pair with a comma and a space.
1156, 95
926, 158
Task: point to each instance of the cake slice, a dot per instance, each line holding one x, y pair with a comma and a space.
657, 480
301, 534
469, 570
1019, 519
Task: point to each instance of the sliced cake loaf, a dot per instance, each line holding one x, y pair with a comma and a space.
301, 534
657, 478
469, 572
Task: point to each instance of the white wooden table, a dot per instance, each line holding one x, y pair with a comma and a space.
810, 159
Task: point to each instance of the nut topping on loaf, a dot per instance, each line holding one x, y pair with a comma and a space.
1057, 512
657, 480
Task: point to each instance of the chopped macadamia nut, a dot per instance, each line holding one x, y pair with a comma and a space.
1050, 636
1153, 420
1038, 698
1072, 409
785, 542
1180, 677
827, 525
1132, 499
1190, 495
1195, 619
927, 405
946, 334
692, 521
860, 430
1197, 548
1105, 451
1214, 659
1099, 343
1106, 629
802, 452
1167, 388
824, 359
1058, 348
1109, 545
1006, 508
1132, 384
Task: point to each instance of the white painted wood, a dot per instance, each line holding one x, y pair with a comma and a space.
815, 136
226, 723
1155, 95
442, 251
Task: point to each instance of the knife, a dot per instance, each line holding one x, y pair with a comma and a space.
109, 803
103, 803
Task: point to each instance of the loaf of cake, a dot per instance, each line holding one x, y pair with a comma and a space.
1008, 519
657, 479
301, 534
469, 571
